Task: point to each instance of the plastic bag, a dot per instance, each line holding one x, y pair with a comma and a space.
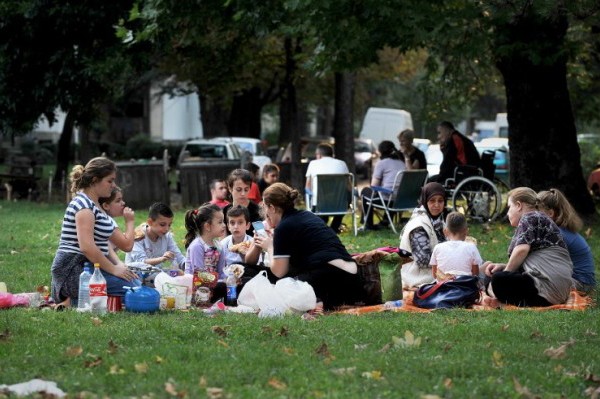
298, 296
260, 295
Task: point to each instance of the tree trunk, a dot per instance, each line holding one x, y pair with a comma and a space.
213, 116
289, 116
342, 122
63, 152
324, 116
244, 119
543, 144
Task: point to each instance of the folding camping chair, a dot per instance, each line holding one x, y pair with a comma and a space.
404, 197
333, 196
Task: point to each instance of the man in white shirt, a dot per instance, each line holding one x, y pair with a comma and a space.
325, 163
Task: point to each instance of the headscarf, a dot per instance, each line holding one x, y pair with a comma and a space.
427, 192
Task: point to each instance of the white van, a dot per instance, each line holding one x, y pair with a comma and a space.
501, 125
385, 124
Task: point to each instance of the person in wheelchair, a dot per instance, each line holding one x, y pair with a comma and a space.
458, 150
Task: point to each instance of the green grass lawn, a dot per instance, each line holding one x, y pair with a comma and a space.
453, 354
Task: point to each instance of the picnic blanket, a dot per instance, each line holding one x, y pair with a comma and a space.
576, 301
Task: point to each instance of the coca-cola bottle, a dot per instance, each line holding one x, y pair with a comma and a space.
98, 295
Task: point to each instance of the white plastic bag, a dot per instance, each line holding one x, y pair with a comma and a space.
260, 294
298, 296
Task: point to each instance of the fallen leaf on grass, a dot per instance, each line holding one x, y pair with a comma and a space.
505, 327
323, 350
45, 236
448, 383
536, 334
13, 252
202, 382
171, 390
360, 347
588, 233
344, 371
223, 343
74, 351
590, 332
592, 378
523, 391
560, 352
373, 375
408, 340
430, 397
593, 392
141, 368
385, 348
283, 332
215, 393
112, 347
497, 359
96, 321
158, 360
288, 350
115, 369
275, 383
220, 331
93, 363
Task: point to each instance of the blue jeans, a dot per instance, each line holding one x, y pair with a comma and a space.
114, 284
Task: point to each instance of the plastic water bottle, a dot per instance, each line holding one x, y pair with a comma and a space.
231, 297
98, 296
393, 304
83, 301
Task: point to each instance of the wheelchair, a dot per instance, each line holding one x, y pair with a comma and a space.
476, 192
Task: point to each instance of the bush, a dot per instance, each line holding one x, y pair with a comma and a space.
140, 146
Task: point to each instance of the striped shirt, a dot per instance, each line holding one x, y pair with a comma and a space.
104, 225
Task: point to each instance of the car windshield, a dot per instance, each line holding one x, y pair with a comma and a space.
245, 146
359, 146
207, 150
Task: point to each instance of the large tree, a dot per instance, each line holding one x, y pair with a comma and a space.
59, 55
529, 44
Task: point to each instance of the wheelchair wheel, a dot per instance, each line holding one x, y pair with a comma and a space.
478, 199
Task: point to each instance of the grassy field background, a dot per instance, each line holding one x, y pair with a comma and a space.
444, 354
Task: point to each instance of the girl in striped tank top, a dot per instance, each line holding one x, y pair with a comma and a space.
85, 234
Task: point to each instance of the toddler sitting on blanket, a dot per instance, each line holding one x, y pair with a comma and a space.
457, 256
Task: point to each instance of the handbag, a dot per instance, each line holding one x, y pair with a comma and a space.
370, 278
459, 292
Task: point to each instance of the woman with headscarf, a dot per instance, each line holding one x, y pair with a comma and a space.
422, 232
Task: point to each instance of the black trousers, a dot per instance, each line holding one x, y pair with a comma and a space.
516, 288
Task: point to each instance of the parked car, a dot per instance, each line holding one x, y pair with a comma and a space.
252, 145
208, 150
364, 152
501, 157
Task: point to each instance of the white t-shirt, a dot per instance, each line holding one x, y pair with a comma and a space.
323, 166
455, 257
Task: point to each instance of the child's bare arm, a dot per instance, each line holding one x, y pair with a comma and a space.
475, 269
